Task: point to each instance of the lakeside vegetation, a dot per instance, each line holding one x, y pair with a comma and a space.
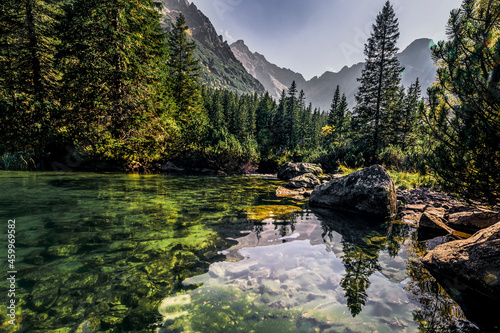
99, 84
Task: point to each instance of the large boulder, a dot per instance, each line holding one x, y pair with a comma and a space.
474, 261
308, 181
369, 191
292, 170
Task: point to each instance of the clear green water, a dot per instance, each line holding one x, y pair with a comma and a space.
146, 253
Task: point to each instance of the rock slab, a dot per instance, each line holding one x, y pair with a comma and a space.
369, 191
292, 170
474, 220
474, 261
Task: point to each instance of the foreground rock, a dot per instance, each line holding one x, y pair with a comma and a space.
369, 191
474, 261
171, 167
292, 170
422, 207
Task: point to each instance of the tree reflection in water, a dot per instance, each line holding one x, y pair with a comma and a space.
362, 241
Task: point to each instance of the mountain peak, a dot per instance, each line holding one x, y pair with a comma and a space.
219, 67
178, 5
240, 45
419, 44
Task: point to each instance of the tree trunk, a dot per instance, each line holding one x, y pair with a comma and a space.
33, 45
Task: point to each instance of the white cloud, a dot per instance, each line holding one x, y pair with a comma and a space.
230, 39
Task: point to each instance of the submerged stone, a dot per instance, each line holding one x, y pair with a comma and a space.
270, 211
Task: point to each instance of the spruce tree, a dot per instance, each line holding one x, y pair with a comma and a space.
380, 80
185, 88
412, 107
29, 76
279, 128
291, 115
343, 119
334, 107
183, 67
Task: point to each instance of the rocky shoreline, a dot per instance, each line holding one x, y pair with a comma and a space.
432, 210
462, 238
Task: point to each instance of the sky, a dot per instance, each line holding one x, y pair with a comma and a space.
314, 36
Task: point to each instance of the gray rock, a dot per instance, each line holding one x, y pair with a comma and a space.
292, 170
369, 191
431, 221
474, 261
171, 167
308, 181
473, 220
285, 192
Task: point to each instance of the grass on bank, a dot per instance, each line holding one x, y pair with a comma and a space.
402, 179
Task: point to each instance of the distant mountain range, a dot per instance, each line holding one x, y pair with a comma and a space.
220, 68
416, 59
238, 69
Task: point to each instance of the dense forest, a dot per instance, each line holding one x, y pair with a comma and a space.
100, 84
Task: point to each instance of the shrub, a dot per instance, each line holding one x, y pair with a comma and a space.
17, 161
229, 155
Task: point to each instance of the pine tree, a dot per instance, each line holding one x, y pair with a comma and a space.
229, 107
380, 80
29, 76
215, 111
343, 119
291, 120
264, 115
183, 72
279, 128
183, 67
114, 84
334, 107
412, 107
464, 105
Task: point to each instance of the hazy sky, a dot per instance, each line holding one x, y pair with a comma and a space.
313, 36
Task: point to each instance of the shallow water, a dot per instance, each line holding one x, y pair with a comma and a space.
123, 253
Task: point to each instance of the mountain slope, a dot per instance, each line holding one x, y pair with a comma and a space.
220, 68
272, 77
416, 59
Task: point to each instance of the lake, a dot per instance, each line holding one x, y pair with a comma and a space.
160, 253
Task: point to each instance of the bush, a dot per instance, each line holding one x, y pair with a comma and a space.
412, 159
17, 161
330, 160
392, 157
231, 156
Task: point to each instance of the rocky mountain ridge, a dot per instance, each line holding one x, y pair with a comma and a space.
416, 59
220, 68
